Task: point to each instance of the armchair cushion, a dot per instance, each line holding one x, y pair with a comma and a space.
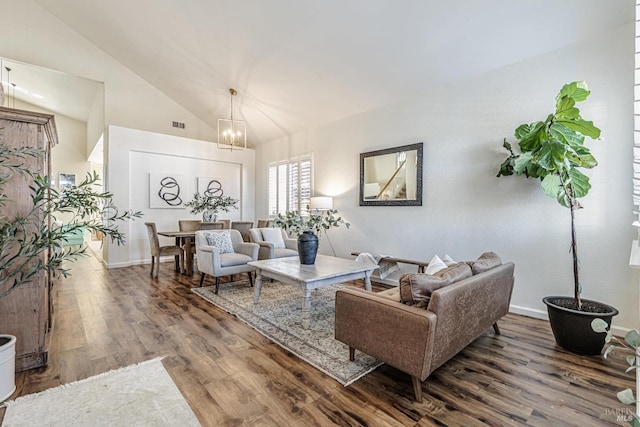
234, 258
485, 262
416, 289
273, 235
221, 240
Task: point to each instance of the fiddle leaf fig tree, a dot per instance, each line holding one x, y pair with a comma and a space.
553, 151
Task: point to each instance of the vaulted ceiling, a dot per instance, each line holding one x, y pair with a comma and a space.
297, 64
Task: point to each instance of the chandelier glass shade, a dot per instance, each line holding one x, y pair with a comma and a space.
232, 134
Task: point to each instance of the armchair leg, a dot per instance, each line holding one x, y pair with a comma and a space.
417, 388
496, 329
217, 284
250, 278
201, 279
352, 354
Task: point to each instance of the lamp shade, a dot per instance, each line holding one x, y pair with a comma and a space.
321, 203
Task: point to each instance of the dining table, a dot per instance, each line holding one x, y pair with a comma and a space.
183, 239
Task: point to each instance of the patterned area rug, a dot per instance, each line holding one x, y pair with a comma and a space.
137, 395
278, 317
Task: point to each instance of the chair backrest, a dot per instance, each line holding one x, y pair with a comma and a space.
257, 236
263, 223
189, 224
226, 222
201, 237
243, 227
153, 238
211, 225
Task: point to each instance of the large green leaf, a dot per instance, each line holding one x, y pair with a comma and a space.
529, 136
566, 135
580, 183
551, 155
566, 108
578, 91
522, 162
632, 338
551, 186
582, 126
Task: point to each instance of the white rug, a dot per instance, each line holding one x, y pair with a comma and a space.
137, 395
278, 317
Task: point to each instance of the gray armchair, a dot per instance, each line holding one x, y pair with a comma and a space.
214, 261
274, 243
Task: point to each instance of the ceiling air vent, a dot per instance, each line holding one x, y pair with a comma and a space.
178, 125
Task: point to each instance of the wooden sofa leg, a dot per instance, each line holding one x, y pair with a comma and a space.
496, 329
352, 354
201, 279
250, 278
417, 388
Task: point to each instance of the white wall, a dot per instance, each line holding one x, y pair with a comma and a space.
133, 154
466, 209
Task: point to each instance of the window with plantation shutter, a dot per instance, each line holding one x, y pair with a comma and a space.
290, 185
634, 260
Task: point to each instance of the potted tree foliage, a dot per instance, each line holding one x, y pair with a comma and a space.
307, 227
553, 151
32, 243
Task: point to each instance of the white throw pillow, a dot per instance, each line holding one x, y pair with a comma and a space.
273, 235
221, 240
435, 265
448, 260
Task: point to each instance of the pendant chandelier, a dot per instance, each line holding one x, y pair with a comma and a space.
232, 134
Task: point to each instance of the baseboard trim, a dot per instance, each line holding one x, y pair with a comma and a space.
542, 314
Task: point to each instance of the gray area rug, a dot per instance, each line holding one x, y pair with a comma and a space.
137, 395
278, 317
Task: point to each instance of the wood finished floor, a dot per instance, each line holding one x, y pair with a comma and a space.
231, 375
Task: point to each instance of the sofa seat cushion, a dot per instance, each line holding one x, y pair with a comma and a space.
281, 253
485, 262
234, 258
415, 289
392, 294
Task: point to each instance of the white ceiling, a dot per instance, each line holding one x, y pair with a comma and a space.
297, 64
57, 92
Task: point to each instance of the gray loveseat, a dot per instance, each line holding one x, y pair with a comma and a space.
419, 340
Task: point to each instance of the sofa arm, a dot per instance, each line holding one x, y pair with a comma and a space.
397, 334
484, 299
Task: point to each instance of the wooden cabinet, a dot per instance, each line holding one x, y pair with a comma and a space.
26, 312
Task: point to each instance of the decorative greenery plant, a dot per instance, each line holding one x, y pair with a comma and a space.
26, 238
553, 150
295, 222
630, 345
215, 204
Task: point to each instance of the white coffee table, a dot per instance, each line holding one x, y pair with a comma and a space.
326, 271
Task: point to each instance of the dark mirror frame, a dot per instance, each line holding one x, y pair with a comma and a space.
396, 202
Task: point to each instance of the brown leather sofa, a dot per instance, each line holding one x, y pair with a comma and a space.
418, 340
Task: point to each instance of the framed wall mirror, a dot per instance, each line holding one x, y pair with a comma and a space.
391, 177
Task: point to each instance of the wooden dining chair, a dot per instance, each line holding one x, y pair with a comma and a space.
243, 227
158, 251
211, 225
264, 223
189, 225
226, 222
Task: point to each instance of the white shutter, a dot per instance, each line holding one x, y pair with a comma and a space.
290, 185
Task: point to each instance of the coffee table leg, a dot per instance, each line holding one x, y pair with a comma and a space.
367, 280
257, 286
306, 308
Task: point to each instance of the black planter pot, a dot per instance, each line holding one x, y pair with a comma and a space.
307, 247
572, 328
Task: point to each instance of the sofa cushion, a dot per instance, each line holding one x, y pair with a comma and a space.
273, 235
485, 262
221, 240
416, 288
392, 293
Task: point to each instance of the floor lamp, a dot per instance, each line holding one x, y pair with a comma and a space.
321, 204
